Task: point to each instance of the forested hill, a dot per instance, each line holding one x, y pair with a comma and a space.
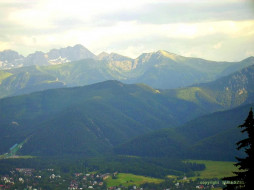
210, 137
87, 120
227, 92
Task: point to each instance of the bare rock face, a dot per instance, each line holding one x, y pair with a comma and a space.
37, 58
10, 59
68, 54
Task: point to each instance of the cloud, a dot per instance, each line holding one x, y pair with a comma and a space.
200, 27
217, 45
176, 11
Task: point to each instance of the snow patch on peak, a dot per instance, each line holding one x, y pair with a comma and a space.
59, 60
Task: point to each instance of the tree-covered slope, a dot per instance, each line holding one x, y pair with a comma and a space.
87, 119
116, 112
226, 92
35, 78
208, 137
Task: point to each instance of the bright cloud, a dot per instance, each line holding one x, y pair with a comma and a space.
210, 29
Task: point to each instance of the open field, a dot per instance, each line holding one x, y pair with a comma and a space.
130, 179
215, 169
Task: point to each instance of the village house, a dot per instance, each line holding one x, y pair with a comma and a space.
105, 176
25, 171
21, 180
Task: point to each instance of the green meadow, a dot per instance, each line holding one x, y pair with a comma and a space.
215, 169
126, 180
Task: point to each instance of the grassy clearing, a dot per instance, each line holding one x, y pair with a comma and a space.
130, 179
16, 157
22, 157
12, 154
215, 169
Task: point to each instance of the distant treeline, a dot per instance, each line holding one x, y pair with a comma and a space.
153, 167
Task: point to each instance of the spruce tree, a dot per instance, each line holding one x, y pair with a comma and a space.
244, 179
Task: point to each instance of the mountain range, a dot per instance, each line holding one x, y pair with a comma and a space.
98, 118
71, 102
83, 120
11, 59
77, 66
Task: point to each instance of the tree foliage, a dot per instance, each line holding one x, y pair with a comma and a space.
243, 178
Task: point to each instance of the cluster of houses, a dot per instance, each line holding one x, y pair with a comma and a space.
88, 181
28, 178
7, 182
25, 171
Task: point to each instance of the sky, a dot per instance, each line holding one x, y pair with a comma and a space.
220, 30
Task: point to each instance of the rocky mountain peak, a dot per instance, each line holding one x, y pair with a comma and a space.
9, 59
102, 55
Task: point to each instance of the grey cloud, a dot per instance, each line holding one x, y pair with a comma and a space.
162, 13
7, 26
7, 6
65, 23
231, 50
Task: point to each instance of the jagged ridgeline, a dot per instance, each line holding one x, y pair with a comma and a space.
77, 66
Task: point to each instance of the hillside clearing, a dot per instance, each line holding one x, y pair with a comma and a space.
215, 169
126, 180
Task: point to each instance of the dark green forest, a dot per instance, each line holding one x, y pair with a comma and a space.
108, 164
